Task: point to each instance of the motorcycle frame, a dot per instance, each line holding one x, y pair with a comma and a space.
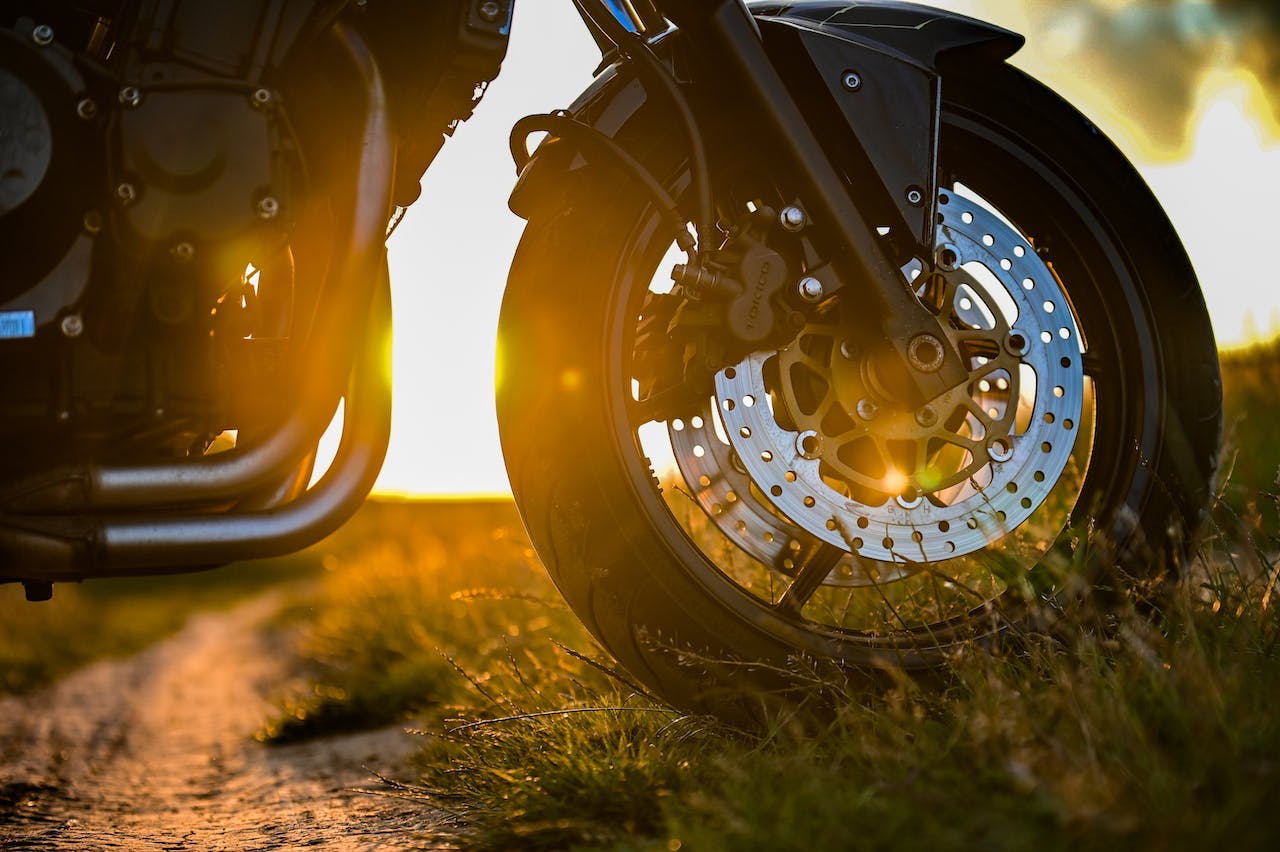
74, 524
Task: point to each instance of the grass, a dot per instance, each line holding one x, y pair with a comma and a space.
1142, 732
413, 593
1155, 728
1250, 377
1152, 728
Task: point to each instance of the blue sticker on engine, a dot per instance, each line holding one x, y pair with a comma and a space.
15, 324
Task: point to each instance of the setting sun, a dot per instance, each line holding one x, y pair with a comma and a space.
449, 258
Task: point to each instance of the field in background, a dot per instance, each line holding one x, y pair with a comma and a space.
1251, 457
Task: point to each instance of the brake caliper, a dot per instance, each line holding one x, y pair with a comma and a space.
727, 303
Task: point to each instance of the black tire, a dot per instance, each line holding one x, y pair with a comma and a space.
589, 498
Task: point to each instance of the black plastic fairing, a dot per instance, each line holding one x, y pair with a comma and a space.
935, 38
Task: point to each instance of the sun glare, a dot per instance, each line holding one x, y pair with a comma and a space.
449, 261
1221, 199
450, 256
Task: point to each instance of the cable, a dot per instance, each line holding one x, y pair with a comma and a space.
635, 48
570, 128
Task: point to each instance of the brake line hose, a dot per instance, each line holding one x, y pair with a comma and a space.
566, 127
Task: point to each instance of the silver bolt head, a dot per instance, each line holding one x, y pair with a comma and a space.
130, 96
811, 289
86, 109
851, 80
268, 207
915, 197
262, 97
909, 502
72, 325
792, 218
183, 252
490, 10
42, 35
848, 350
809, 444
1000, 449
92, 222
126, 193
867, 409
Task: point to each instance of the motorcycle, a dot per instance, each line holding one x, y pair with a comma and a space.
832, 339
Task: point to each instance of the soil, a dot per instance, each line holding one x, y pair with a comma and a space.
156, 752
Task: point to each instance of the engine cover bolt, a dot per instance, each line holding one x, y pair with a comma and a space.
915, 196
792, 219
130, 96
92, 222
490, 10
268, 207
867, 409
811, 289
851, 80
42, 35
926, 416
261, 97
126, 193
72, 325
849, 350
87, 109
183, 252
925, 353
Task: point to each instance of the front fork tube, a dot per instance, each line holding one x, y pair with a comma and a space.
728, 40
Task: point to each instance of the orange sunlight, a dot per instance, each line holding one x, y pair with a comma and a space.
449, 261
450, 255
1221, 198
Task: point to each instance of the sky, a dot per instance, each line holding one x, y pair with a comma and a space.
1189, 90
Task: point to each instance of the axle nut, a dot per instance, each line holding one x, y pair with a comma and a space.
811, 289
926, 354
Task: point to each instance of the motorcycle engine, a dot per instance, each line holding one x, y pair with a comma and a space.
146, 209
175, 177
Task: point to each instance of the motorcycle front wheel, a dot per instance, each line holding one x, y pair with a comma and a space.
718, 551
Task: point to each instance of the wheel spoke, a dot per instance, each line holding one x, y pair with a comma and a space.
809, 579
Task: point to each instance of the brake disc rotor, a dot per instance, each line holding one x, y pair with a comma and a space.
722, 487
946, 479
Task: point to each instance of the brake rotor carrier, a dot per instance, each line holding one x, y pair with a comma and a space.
820, 437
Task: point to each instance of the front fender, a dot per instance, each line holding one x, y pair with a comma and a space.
935, 38
884, 135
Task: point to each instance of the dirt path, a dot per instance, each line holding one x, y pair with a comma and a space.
155, 752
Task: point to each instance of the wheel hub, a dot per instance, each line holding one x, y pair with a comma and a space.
817, 429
